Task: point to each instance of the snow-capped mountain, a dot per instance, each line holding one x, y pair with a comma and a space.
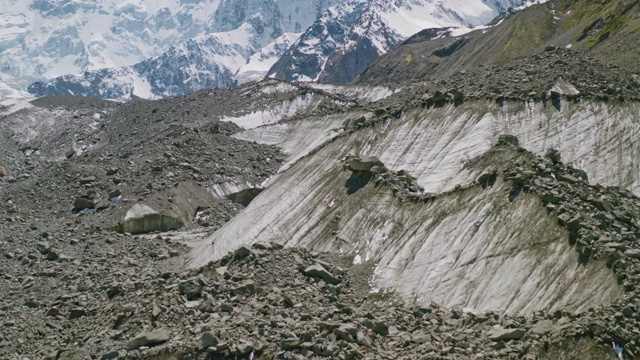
347, 38
152, 49
44, 39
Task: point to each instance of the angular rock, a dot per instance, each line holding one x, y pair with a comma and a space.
190, 288
632, 253
290, 344
207, 340
112, 171
150, 338
3, 172
568, 178
81, 203
318, 271
346, 332
553, 155
88, 180
241, 252
542, 327
110, 355
245, 348
501, 334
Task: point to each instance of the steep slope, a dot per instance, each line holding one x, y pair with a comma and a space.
347, 38
603, 29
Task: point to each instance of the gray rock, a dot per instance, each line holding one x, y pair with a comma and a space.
246, 287
241, 252
290, 344
245, 348
380, 328
155, 337
76, 313
553, 155
53, 255
501, 334
112, 171
318, 271
207, 340
190, 288
88, 180
43, 247
568, 178
81, 203
346, 332
542, 327
110, 355
632, 253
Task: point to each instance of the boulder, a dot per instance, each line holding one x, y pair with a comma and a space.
318, 271
149, 338
542, 327
190, 288
632, 253
3, 172
553, 155
364, 163
88, 180
81, 203
142, 219
207, 340
501, 334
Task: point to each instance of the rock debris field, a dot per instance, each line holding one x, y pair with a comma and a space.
74, 288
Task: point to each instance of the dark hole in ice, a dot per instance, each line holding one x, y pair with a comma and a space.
357, 181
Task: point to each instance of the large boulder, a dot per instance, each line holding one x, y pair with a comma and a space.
363, 163
3, 172
150, 338
81, 203
142, 219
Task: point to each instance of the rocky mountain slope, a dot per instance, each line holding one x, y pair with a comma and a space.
595, 28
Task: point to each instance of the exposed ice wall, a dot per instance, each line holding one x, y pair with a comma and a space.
474, 255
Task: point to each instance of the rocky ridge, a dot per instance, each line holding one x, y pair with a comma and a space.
553, 73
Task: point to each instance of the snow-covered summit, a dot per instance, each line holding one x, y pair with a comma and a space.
121, 49
41, 39
348, 37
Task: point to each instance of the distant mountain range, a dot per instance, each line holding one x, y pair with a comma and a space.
151, 49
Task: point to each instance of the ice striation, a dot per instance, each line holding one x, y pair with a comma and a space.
481, 256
